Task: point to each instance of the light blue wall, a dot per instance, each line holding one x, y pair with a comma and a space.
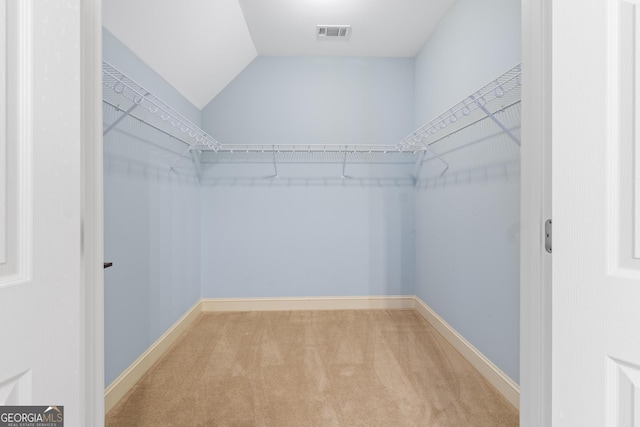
475, 42
152, 237
151, 225
121, 57
467, 253
307, 240
271, 239
342, 100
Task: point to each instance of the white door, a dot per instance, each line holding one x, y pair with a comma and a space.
49, 274
596, 213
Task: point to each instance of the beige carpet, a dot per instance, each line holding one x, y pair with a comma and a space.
312, 368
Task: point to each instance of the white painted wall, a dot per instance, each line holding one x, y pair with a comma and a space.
467, 223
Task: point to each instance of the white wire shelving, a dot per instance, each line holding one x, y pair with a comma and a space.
119, 84
495, 96
132, 99
310, 153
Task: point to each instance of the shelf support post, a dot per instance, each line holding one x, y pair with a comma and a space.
178, 158
195, 157
416, 175
438, 156
275, 165
344, 163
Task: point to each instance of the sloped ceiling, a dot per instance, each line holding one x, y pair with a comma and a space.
199, 46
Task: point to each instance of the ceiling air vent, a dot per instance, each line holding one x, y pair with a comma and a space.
333, 32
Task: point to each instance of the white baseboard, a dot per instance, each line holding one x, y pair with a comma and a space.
505, 385
125, 382
312, 303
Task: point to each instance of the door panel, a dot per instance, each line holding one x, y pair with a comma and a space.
629, 48
625, 133
621, 284
625, 406
16, 285
596, 266
46, 299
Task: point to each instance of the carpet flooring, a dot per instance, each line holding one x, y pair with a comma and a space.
312, 368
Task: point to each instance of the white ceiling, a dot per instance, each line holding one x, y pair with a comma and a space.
199, 46
395, 28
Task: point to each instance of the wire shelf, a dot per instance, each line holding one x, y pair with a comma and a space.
313, 153
495, 96
124, 86
130, 99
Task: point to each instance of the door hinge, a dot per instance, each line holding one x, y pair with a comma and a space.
548, 235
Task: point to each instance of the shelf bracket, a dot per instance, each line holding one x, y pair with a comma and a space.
438, 156
178, 158
275, 165
121, 118
416, 175
495, 120
344, 163
195, 157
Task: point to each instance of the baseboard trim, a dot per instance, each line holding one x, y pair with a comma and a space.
311, 303
505, 385
125, 381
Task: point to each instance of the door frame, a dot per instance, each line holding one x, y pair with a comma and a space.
92, 211
535, 209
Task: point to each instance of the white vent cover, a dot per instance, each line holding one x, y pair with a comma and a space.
334, 32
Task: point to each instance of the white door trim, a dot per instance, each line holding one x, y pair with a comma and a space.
535, 208
92, 211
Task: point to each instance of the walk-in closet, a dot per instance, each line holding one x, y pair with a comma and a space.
325, 199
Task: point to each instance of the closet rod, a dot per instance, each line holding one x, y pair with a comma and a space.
453, 150
309, 148
462, 147
290, 162
495, 120
481, 119
119, 119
